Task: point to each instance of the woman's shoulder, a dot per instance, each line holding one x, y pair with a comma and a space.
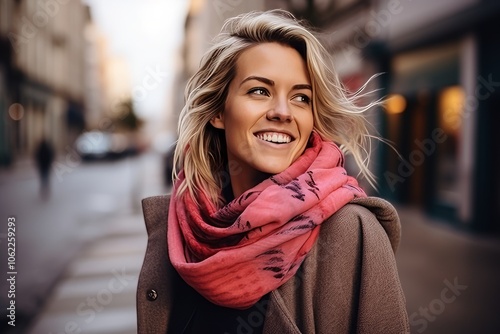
352, 266
155, 211
373, 216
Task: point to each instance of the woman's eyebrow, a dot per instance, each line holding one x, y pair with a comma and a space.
261, 79
271, 82
303, 86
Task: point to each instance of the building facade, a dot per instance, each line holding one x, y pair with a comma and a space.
439, 60
42, 74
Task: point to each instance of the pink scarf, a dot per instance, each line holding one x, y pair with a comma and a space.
235, 255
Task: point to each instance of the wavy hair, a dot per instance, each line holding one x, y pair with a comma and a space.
201, 150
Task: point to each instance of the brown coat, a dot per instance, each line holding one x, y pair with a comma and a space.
348, 283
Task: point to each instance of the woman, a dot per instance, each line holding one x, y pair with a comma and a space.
266, 232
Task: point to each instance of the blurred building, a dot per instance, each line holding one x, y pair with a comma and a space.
42, 74
108, 83
441, 65
95, 52
117, 87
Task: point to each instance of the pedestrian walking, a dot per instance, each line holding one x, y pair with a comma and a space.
44, 156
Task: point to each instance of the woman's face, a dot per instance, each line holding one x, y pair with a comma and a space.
268, 113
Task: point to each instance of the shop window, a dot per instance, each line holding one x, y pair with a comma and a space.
450, 115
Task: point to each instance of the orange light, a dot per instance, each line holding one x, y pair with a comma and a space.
451, 101
395, 104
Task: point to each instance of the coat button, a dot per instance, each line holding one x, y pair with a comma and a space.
152, 295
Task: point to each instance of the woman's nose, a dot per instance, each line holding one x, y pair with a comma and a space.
280, 112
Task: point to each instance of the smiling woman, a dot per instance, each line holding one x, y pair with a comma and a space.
267, 116
266, 232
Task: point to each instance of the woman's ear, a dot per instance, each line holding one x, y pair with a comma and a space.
217, 121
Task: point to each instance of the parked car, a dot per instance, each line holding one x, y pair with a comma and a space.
98, 145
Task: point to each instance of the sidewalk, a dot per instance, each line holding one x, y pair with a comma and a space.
96, 294
22, 169
449, 277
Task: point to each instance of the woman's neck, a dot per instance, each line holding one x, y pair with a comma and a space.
243, 180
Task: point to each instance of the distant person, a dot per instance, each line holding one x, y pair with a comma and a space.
265, 230
44, 157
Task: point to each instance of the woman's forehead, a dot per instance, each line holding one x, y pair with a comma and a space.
273, 61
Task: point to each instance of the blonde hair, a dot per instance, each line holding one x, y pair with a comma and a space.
201, 151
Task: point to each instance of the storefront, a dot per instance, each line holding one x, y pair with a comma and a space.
424, 115
442, 111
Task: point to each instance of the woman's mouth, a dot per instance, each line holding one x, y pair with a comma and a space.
274, 137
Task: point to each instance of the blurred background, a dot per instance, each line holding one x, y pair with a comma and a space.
90, 93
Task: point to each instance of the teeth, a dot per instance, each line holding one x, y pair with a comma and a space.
274, 137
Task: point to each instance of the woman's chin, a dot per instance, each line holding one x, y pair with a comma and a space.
273, 169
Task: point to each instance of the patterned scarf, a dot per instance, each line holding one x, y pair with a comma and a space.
235, 255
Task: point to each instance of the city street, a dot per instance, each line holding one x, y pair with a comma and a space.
50, 232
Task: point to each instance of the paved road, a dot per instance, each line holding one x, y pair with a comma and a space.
50, 232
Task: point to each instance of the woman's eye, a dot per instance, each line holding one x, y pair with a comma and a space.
302, 98
259, 91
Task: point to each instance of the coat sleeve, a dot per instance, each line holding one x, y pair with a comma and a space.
381, 307
349, 282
